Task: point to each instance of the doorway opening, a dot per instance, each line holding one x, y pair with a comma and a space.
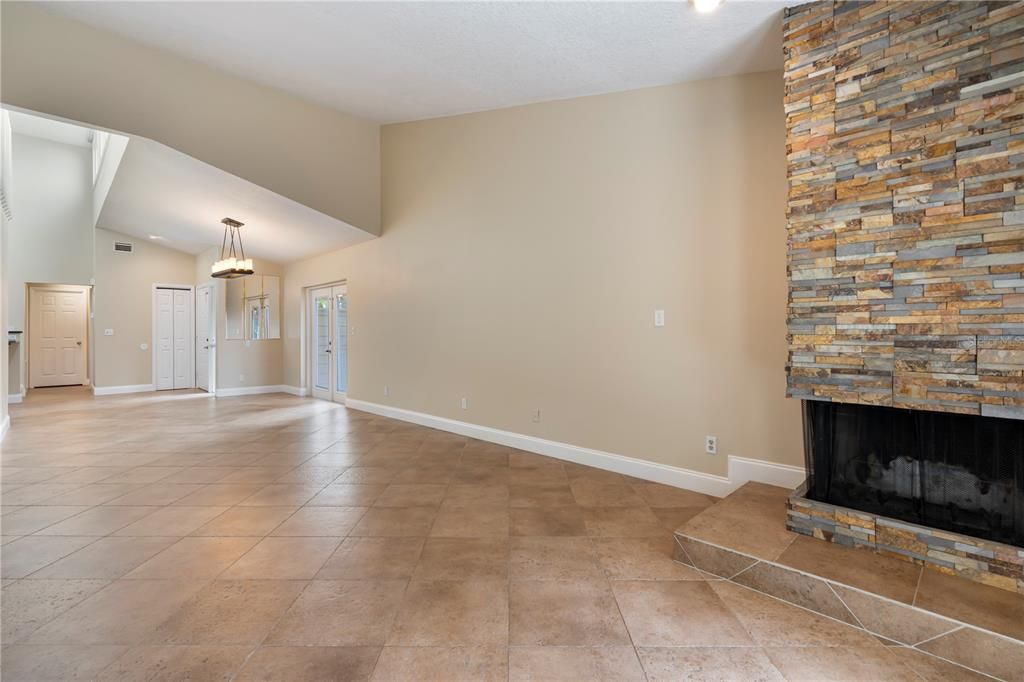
173, 337
58, 335
328, 333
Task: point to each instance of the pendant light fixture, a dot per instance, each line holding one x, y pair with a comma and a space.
232, 264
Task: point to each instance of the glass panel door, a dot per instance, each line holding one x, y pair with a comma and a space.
328, 328
340, 343
321, 337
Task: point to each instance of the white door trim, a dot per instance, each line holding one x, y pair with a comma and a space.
83, 289
192, 327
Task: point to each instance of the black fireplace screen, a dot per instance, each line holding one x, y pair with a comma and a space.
962, 473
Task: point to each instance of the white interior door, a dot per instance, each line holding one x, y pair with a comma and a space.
57, 334
329, 348
164, 341
173, 337
204, 337
184, 374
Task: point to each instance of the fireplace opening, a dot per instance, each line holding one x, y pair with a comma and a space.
955, 472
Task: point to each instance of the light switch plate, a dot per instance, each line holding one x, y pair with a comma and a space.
659, 318
108, 332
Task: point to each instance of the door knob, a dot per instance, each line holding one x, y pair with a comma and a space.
78, 343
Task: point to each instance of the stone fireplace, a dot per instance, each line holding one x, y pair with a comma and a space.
905, 153
951, 472
931, 487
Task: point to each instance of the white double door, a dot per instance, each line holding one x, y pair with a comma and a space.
329, 334
173, 339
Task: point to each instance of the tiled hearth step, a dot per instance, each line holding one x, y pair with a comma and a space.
743, 539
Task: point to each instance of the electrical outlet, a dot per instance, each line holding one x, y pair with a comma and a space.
387, 390
659, 318
536, 417
711, 445
465, 403
241, 378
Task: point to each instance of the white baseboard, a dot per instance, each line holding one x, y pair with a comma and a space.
5, 426
741, 469
117, 390
258, 390
14, 398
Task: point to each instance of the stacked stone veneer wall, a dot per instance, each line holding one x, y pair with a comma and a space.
905, 143
982, 561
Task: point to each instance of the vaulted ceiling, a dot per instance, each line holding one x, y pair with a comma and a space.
400, 61
178, 200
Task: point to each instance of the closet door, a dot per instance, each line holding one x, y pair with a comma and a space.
164, 341
173, 342
182, 339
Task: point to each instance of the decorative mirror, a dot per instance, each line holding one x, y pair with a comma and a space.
253, 306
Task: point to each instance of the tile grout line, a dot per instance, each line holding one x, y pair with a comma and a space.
917, 586
957, 626
862, 591
846, 606
270, 630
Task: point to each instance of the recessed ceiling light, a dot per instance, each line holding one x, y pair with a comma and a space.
705, 6
153, 236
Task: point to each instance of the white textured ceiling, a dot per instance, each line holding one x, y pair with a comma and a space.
401, 61
163, 193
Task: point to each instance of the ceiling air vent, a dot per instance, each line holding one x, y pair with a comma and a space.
124, 247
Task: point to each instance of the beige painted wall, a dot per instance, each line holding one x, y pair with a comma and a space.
50, 241
242, 363
312, 154
123, 301
525, 250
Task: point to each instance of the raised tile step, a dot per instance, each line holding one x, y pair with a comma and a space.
983, 561
743, 539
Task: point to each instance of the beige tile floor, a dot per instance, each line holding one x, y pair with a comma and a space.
271, 537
